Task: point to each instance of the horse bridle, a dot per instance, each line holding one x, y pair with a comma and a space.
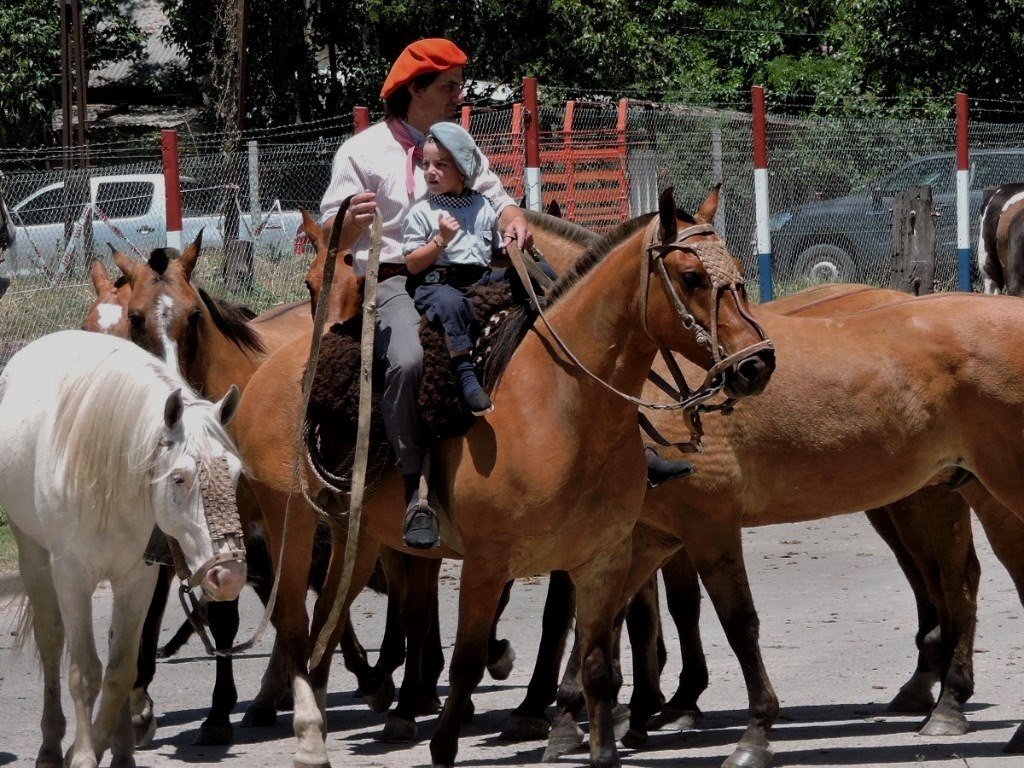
722, 271
221, 511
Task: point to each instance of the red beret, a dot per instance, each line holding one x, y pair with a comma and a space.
435, 54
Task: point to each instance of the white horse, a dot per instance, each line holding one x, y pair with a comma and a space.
99, 442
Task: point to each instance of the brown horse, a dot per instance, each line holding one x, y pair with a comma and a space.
915, 396
569, 505
915, 516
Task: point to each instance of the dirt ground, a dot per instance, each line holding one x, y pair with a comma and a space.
837, 629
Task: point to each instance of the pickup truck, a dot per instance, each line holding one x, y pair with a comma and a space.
130, 212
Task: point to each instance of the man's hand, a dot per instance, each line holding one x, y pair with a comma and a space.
515, 227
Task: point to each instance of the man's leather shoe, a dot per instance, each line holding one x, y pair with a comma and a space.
420, 530
660, 470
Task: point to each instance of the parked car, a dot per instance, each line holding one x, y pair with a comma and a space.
849, 239
131, 211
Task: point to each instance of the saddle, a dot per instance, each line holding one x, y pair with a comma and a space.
332, 416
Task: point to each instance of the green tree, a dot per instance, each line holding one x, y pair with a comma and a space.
30, 61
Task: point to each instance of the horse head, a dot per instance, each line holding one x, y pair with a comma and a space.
695, 287
346, 293
109, 313
197, 472
174, 319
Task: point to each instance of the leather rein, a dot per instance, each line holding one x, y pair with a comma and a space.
724, 275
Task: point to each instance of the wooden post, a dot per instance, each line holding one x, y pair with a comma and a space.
913, 239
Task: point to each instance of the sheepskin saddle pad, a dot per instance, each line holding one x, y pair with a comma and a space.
332, 416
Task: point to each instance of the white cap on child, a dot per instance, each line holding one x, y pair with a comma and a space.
465, 152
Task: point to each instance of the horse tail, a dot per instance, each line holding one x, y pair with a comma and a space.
23, 622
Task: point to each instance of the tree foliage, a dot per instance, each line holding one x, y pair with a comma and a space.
313, 58
30, 80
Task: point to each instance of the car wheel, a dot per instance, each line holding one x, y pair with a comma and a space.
826, 263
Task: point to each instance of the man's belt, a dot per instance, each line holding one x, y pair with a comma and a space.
387, 271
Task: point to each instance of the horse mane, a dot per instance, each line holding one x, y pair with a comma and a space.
122, 397
563, 228
506, 338
513, 329
233, 321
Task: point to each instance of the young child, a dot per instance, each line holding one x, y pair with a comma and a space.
449, 240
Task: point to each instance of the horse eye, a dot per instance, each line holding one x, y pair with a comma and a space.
692, 279
178, 478
137, 319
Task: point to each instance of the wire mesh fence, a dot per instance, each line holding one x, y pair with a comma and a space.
831, 186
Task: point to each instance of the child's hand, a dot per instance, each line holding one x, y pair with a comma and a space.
448, 226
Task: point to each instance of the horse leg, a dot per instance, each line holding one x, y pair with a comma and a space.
600, 595
274, 687
500, 653
48, 629
85, 672
290, 617
528, 721
643, 622
140, 703
362, 567
417, 613
935, 526
216, 728
682, 598
717, 553
915, 695
479, 595
112, 725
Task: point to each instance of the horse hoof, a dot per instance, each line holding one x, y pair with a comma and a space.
49, 759
398, 730
620, 721
945, 725
911, 702
122, 761
380, 700
563, 738
747, 756
523, 728
501, 668
427, 705
634, 738
214, 736
144, 732
674, 719
259, 717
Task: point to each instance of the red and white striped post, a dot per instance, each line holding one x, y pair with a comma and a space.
172, 186
963, 194
531, 129
764, 242
360, 118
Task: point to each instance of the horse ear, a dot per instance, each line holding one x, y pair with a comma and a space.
667, 214
708, 209
173, 410
126, 265
100, 277
191, 255
313, 230
554, 209
227, 406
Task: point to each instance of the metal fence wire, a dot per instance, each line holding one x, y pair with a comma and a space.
831, 186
